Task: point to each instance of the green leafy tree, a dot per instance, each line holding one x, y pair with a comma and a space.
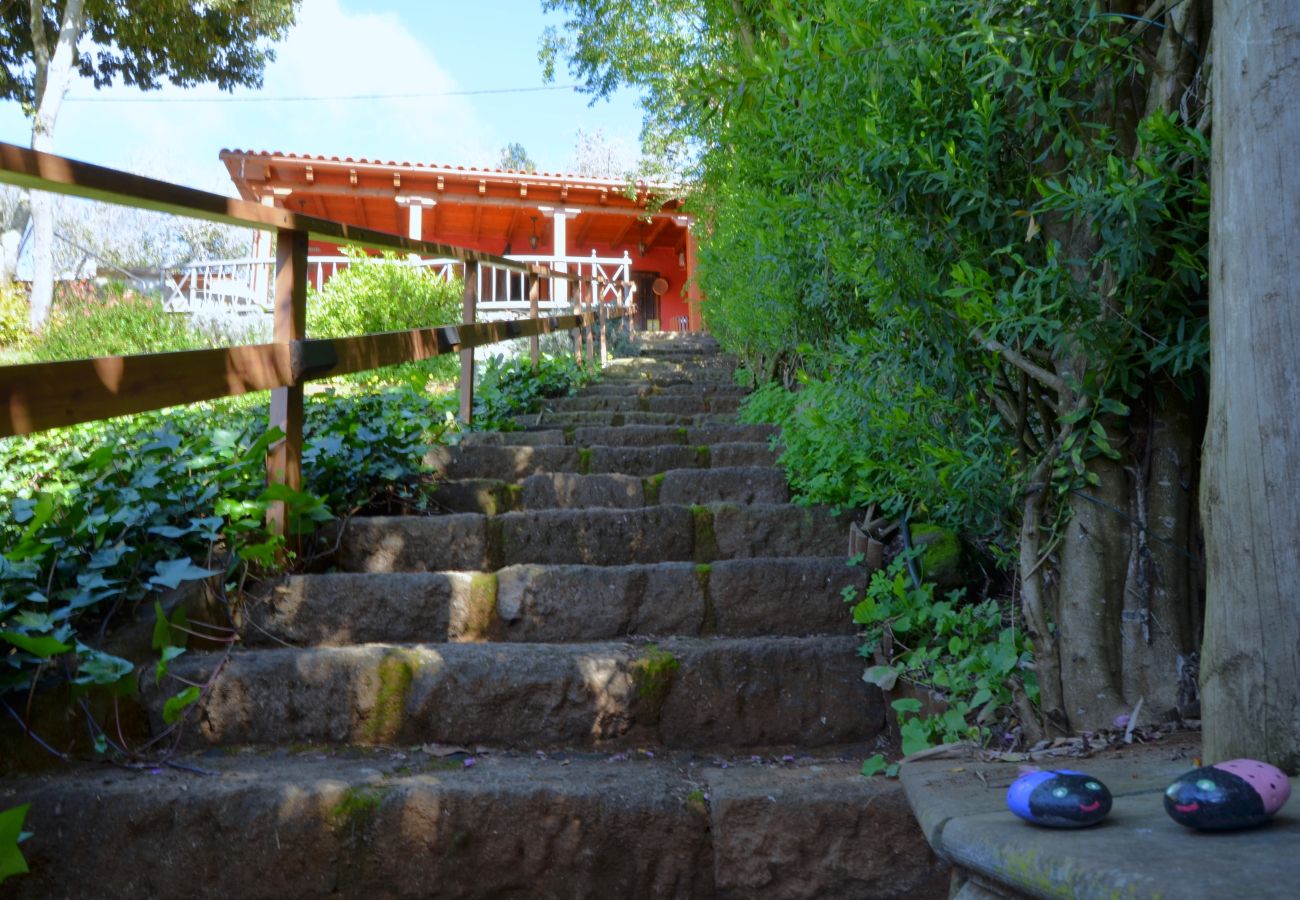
516, 158
148, 43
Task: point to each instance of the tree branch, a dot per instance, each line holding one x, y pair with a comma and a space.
1029, 367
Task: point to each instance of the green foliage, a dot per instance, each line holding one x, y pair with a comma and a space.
103, 514
376, 294
11, 835
515, 158
13, 315
965, 651
861, 433
878, 765
149, 42
109, 321
508, 387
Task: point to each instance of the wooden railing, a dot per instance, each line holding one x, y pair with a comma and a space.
38, 396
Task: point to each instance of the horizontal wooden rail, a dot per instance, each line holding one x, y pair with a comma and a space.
38, 396
58, 174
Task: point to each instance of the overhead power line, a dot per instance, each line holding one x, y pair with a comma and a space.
309, 99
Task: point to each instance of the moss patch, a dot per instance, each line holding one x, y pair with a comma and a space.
651, 487
652, 674
683, 434
703, 457
706, 539
356, 808
481, 616
941, 555
396, 672
697, 803
584, 460
510, 497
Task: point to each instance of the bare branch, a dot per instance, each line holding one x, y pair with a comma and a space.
1048, 379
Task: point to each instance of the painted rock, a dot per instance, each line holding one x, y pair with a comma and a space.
1239, 793
1059, 799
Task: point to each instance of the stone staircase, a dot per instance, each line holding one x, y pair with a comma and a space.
618, 666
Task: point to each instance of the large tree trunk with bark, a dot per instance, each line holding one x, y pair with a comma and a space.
54, 71
1250, 671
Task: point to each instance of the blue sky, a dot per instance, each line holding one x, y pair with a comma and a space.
349, 47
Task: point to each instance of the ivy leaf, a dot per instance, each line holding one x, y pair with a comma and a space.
168, 654
11, 833
42, 646
906, 705
883, 677
174, 633
174, 571
175, 707
105, 670
874, 765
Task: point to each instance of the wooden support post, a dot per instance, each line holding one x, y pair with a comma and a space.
604, 351
591, 328
467, 355
284, 457
577, 331
534, 294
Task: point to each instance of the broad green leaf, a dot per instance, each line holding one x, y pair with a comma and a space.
174, 571
906, 705
874, 765
883, 677
168, 654
42, 646
11, 833
175, 706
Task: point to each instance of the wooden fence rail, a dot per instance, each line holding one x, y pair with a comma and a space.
38, 396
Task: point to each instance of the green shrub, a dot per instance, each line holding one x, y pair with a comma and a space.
508, 387
110, 321
13, 315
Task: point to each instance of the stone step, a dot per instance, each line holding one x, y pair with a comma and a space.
621, 436
546, 603
679, 693
673, 388
570, 490
682, 404
602, 537
582, 418
408, 823
511, 463
654, 435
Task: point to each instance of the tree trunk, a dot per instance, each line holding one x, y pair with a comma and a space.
53, 78
1250, 666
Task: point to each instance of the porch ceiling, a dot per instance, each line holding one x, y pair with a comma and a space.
471, 206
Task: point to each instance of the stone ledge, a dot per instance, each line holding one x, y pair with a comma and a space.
1137, 852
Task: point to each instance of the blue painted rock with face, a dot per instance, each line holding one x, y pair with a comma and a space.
1239, 793
1059, 799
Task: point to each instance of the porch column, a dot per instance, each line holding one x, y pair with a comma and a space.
415, 207
561, 244
694, 321
264, 246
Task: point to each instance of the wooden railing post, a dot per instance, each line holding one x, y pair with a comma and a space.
577, 330
284, 457
467, 355
534, 294
604, 352
591, 328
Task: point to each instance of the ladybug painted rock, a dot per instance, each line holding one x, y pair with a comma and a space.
1059, 799
1239, 793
